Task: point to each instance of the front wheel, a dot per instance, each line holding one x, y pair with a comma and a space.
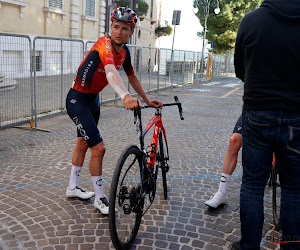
126, 197
163, 163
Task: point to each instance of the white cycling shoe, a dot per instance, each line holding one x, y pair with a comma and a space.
79, 193
103, 206
218, 199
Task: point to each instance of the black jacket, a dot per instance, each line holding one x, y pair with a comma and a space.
267, 56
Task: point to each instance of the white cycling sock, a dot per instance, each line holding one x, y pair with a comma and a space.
75, 172
224, 183
97, 183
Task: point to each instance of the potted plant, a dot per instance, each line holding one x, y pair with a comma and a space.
163, 31
143, 8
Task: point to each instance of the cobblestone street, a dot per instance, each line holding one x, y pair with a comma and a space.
35, 168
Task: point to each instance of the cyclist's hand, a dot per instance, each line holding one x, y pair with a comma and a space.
131, 103
155, 103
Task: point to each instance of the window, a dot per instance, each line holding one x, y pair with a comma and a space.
90, 8
56, 4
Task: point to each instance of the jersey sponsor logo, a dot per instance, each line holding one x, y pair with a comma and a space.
107, 43
73, 101
101, 70
80, 128
85, 72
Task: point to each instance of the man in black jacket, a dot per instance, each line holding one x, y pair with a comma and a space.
267, 59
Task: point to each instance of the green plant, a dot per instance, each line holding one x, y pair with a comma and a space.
143, 8
163, 31
123, 3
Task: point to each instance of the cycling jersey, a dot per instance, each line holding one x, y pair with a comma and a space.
91, 77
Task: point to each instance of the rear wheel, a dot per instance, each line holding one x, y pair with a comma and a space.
163, 163
276, 196
125, 196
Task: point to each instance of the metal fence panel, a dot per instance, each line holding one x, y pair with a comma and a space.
59, 61
15, 79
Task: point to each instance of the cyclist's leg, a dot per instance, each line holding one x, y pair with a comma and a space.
77, 162
229, 164
230, 160
81, 109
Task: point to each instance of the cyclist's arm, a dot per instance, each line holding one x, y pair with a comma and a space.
136, 84
114, 79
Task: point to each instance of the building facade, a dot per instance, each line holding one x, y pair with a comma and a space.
82, 19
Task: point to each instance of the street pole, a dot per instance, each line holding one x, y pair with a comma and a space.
206, 13
172, 58
203, 47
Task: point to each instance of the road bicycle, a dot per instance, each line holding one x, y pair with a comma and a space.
276, 194
133, 186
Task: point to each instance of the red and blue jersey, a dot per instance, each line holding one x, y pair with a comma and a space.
91, 77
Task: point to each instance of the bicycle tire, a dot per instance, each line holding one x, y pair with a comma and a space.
124, 224
276, 195
162, 164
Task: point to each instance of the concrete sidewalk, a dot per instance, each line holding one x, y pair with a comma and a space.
35, 167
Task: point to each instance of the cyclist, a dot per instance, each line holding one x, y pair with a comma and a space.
234, 146
98, 69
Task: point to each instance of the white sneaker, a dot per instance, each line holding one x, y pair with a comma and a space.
218, 199
79, 193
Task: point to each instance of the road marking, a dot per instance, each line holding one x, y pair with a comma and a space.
211, 83
231, 85
199, 90
230, 92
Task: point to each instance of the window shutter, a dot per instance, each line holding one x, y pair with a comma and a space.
90, 8
55, 4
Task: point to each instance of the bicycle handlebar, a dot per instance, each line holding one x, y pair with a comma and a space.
177, 103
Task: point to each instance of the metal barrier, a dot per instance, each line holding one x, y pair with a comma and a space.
54, 76
36, 76
16, 82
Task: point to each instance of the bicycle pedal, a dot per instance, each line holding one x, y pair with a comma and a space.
126, 209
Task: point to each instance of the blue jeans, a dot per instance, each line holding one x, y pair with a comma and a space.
263, 133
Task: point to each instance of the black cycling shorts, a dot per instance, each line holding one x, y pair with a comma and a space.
84, 110
238, 126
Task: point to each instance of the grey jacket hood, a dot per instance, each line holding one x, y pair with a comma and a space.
289, 10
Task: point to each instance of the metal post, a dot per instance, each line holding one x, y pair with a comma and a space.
203, 44
172, 58
149, 67
158, 60
183, 66
61, 76
34, 86
193, 68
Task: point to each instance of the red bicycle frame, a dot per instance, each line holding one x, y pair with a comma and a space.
156, 120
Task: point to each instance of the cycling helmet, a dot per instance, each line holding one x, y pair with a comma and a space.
125, 15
